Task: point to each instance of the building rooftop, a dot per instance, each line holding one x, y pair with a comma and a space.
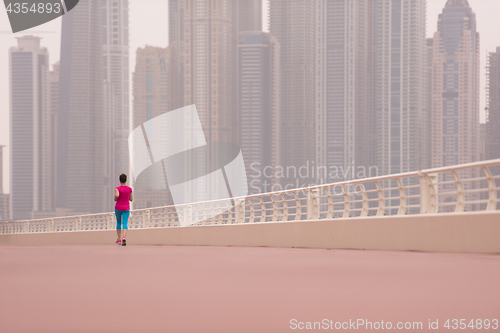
457, 4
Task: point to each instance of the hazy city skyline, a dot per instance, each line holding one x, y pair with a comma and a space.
142, 20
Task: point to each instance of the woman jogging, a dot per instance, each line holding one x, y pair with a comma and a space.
123, 194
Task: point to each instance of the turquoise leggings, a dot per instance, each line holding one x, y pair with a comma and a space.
122, 215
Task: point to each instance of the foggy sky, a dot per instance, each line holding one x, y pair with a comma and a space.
151, 27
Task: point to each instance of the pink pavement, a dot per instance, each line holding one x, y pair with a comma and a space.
234, 289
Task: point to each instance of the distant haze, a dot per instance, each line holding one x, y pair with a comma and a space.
151, 27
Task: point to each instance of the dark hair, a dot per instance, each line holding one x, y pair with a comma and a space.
123, 178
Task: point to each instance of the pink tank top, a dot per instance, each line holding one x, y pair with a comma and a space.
122, 203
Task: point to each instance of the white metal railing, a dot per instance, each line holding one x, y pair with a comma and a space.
466, 187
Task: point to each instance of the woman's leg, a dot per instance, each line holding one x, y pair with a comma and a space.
118, 223
125, 216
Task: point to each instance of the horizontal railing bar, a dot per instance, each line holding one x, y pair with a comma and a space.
462, 166
474, 202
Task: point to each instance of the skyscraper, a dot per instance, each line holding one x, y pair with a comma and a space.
249, 15
154, 91
81, 119
259, 107
4, 197
31, 153
116, 97
455, 94
493, 106
204, 37
455, 86
399, 85
293, 25
343, 85
54, 111
430, 52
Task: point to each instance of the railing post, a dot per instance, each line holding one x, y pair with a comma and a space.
51, 226
428, 193
185, 216
275, 208
285, 207
381, 199
239, 210
312, 203
347, 203
146, 215
365, 204
79, 223
189, 214
460, 206
492, 189
110, 222
402, 197
298, 207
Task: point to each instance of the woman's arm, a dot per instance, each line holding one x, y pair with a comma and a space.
117, 194
131, 198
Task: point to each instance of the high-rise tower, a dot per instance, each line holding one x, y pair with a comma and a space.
115, 49
430, 52
493, 106
293, 25
204, 39
455, 86
259, 108
154, 91
31, 132
204, 35
343, 85
455, 97
249, 15
81, 119
54, 111
399, 78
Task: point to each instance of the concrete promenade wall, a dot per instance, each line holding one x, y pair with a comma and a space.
474, 232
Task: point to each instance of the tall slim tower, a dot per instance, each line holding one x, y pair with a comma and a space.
293, 25
31, 131
154, 91
455, 86
54, 111
430, 52
116, 97
249, 15
493, 106
204, 37
259, 108
342, 95
399, 85
81, 123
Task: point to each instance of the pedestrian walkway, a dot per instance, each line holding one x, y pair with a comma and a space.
234, 289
